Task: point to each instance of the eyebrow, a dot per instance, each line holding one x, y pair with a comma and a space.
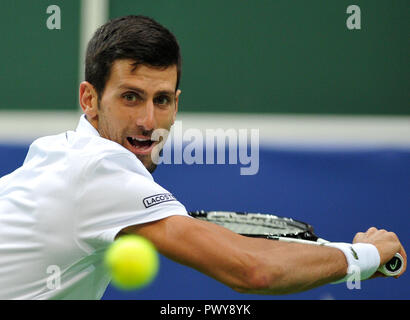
166, 92
143, 92
128, 87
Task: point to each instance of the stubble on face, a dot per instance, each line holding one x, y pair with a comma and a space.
135, 102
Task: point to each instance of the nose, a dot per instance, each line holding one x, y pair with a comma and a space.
146, 118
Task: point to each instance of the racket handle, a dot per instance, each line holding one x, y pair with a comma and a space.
393, 267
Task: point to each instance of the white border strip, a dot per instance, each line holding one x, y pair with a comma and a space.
312, 130
274, 129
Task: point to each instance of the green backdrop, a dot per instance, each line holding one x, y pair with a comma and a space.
238, 56
39, 67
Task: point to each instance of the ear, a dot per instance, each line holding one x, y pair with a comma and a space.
88, 100
176, 105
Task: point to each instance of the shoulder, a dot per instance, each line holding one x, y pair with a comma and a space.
85, 154
98, 153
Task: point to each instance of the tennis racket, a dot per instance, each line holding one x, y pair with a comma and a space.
278, 228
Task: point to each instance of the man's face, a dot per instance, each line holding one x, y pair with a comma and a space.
135, 102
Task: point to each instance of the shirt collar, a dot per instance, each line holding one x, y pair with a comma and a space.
85, 127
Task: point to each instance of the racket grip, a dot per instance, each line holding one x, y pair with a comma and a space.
393, 267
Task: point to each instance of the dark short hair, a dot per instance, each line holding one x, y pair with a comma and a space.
139, 38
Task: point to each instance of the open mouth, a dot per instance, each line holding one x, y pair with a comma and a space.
140, 145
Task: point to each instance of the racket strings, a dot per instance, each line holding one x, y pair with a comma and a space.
256, 224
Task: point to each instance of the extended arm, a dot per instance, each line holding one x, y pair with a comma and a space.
247, 265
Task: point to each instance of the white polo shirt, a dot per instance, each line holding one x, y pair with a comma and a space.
64, 206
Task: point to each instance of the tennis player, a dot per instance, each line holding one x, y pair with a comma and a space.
79, 190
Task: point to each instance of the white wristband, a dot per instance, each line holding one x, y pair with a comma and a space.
361, 257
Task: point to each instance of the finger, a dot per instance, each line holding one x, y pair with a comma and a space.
371, 231
378, 274
359, 237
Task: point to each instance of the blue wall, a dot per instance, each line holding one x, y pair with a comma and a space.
338, 192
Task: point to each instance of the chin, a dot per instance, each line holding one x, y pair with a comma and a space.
151, 167
147, 162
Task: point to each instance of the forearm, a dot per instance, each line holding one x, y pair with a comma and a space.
294, 267
254, 265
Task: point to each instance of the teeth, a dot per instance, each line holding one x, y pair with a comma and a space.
140, 140
137, 142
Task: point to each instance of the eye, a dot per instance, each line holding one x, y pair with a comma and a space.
162, 100
130, 97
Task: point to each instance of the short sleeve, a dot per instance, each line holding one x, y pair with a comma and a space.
114, 193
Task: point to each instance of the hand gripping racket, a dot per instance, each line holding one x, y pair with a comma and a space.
279, 228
